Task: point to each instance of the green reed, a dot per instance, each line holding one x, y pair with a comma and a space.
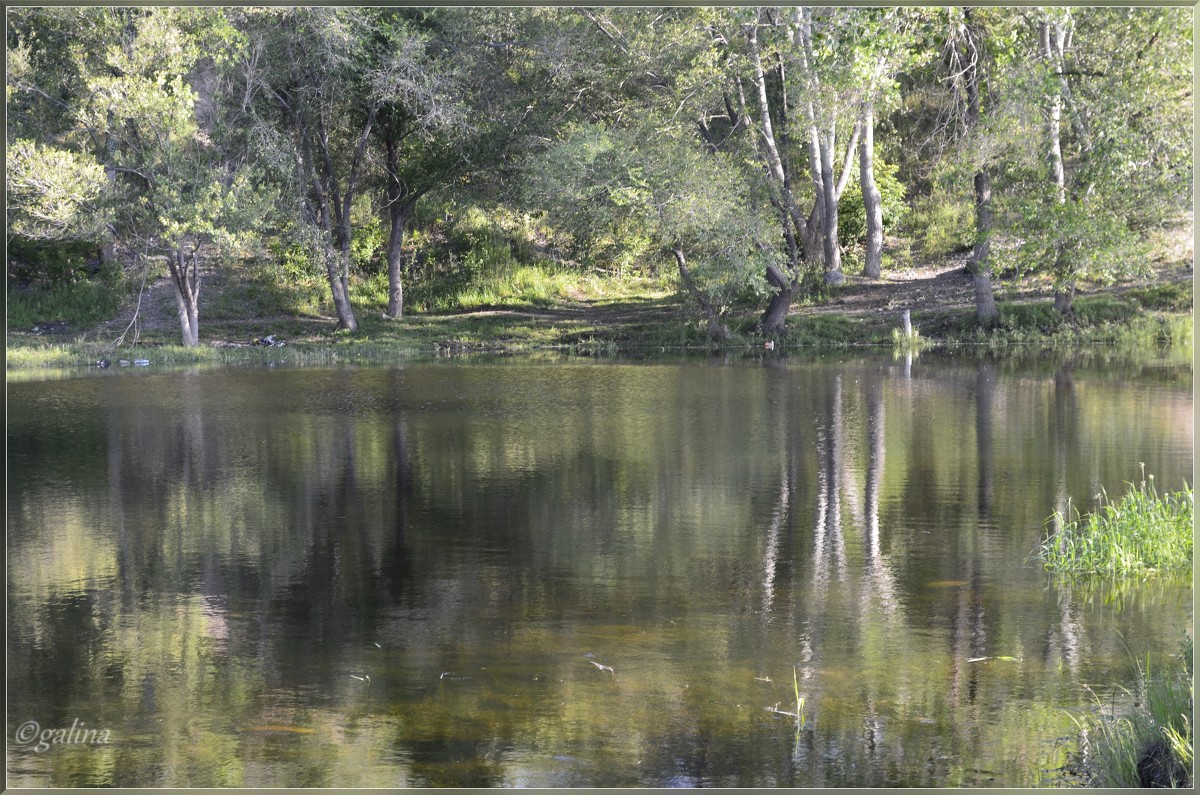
1141, 532
1150, 742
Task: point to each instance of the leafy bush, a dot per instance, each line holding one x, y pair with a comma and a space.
852, 215
1172, 297
52, 263
84, 302
1103, 309
944, 222
368, 242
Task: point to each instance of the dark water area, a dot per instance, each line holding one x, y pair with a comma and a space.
573, 572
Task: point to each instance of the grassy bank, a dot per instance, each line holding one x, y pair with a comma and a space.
488, 289
627, 326
1145, 740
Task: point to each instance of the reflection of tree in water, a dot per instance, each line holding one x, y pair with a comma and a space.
1063, 641
362, 527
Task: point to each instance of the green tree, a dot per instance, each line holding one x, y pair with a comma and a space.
124, 150
52, 157
1114, 90
177, 193
599, 183
315, 81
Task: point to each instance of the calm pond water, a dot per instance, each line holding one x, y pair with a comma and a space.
573, 572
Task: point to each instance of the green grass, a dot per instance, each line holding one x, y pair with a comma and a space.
1140, 532
1150, 744
1170, 297
83, 303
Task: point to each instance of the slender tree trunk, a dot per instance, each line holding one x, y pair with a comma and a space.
108, 249
979, 265
716, 331
872, 200
792, 221
1054, 116
833, 250
985, 300
1064, 294
395, 263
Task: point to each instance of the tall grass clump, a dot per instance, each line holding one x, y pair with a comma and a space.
1149, 744
1141, 532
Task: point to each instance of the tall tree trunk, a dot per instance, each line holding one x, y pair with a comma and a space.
716, 331
1064, 294
979, 264
833, 250
1049, 37
985, 300
395, 262
791, 220
872, 200
820, 156
108, 249
185, 283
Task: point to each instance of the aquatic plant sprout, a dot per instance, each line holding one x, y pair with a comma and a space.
1141, 532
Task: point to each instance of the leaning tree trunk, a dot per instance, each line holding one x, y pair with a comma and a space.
716, 331
185, 280
337, 269
774, 320
872, 200
795, 230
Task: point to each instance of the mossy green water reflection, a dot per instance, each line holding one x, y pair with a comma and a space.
561, 574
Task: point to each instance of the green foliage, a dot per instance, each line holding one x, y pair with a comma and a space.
50, 263
634, 195
53, 194
944, 223
852, 218
1098, 310
1140, 532
368, 242
1172, 297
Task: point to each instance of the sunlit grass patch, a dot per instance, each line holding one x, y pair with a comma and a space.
1140, 532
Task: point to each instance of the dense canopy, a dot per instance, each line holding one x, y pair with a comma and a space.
754, 154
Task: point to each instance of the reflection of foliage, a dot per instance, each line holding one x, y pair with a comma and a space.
294, 521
